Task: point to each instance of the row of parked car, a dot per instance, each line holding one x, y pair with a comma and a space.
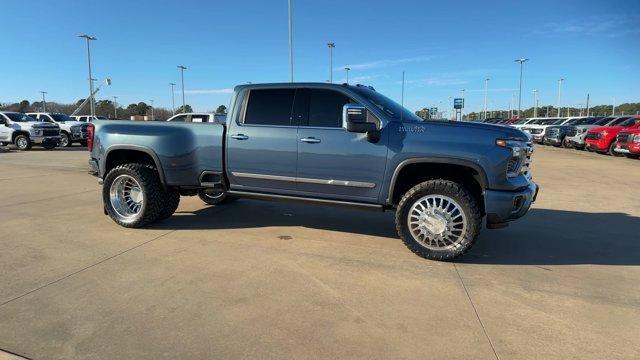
613, 135
40, 128
50, 130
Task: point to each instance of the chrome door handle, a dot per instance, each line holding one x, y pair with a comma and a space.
310, 140
240, 137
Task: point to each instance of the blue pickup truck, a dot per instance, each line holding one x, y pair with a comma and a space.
331, 144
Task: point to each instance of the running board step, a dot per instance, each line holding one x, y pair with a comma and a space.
289, 198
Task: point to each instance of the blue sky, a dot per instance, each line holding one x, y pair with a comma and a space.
443, 47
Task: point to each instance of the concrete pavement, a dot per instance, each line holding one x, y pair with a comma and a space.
273, 280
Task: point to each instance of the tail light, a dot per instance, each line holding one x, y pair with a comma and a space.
90, 132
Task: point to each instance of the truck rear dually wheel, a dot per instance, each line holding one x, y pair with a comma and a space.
133, 195
215, 196
438, 219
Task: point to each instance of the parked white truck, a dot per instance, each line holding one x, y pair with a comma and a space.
70, 130
24, 131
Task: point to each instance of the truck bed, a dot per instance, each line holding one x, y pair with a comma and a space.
182, 150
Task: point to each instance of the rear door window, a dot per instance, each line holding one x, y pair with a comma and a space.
269, 107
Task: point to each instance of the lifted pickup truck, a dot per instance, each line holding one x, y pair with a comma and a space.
322, 143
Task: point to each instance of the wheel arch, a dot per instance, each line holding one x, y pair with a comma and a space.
120, 154
411, 172
15, 134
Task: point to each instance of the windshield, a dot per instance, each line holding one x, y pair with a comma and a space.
629, 122
545, 121
618, 121
386, 105
19, 117
558, 122
61, 117
521, 121
603, 121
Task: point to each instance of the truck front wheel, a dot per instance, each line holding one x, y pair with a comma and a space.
438, 219
215, 197
23, 142
133, 195
65, 139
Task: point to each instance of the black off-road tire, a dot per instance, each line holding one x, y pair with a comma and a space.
19, 140
223, 198
450, 189
171, 202
633, 156
612, 150
49, 146
153, 194
83, 143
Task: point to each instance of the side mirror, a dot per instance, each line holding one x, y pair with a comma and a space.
354, 119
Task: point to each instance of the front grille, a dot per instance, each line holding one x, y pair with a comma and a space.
52, 132
623, 137
572, 132
593, 136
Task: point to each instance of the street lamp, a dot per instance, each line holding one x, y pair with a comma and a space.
91, 100
173, 99
521, 61
486, 92
44, 102
535, 103
290, 42
559, 92
347, 70
182, 69
152, 116
115, 107
331, 46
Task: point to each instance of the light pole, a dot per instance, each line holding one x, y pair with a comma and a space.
173, 99
347, 70
521, 61
331, 46
91, 101
182, 69
152, 116
44, 102
115, 107
290, 43
559, 92
535, 103
486, 92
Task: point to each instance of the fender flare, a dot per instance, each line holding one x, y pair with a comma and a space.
143, 149
481, 176
15, 134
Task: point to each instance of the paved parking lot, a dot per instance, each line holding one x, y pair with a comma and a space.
272, 280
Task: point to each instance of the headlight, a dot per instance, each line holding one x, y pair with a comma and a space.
603, 134
37, 132
519, 153
636, 138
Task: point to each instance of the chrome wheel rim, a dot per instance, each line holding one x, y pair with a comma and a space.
21, 143
437, 222
212, 194
126, 197
64, 140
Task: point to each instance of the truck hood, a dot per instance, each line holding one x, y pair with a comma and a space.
609, 129
33, 125
507, 132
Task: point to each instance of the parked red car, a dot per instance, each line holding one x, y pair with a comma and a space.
628, 143
602, 139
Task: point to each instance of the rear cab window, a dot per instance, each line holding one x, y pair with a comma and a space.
270, 107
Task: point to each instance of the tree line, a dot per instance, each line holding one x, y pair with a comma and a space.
550, 111
103, 108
